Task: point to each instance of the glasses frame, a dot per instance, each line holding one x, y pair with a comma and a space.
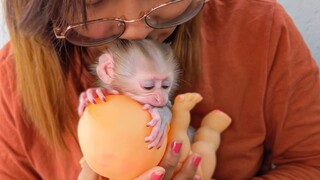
61, 34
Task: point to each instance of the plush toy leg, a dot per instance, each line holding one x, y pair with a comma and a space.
207, 140
207, 137
180, 122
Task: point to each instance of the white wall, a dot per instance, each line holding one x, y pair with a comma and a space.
3, 30
306, 15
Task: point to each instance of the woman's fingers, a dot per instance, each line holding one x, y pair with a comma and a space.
156, 173
171, 158
189, 168
88, 174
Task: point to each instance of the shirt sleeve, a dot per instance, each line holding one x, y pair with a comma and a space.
292, 105
14, 163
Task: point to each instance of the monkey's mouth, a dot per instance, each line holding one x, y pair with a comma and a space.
151, 100
157, 103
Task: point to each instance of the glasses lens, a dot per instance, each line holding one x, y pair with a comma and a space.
95, 33
174, 13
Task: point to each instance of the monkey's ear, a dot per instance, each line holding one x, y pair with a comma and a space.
105, 67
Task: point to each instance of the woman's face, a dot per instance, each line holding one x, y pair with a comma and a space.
132, 10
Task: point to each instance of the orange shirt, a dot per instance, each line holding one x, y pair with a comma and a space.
256, 68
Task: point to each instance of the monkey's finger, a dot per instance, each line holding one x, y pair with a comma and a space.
82, 97
82, 103
81, 108
80, 111
107, 91
146, 107
91, 95
104, 91
155, 117
114, 92
162, 134
156, 140
100, 94
162, 138
154, 135
153, 122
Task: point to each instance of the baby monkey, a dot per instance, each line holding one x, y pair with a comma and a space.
144, 70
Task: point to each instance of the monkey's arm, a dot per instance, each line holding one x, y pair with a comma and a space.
161, 117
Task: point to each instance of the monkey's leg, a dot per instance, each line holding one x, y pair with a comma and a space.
207, 140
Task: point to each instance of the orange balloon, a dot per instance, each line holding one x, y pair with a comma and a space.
111, 136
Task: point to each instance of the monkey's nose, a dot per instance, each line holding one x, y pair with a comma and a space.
159, 100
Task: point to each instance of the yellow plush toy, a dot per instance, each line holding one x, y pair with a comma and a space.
206, 139
112, 133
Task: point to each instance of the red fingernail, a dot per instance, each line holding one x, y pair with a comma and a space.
176, 146
196, 160
157, 175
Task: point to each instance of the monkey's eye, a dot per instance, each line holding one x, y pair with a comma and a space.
148, 87
165, 86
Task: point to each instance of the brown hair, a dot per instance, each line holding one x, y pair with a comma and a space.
187, 48
42, 62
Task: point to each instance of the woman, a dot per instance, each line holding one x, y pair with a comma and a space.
254, 66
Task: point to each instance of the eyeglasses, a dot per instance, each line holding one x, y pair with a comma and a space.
101, 31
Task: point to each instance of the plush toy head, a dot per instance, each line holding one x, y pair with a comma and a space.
111, 136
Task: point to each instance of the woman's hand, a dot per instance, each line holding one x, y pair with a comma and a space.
87, 173
170, 161
166, 170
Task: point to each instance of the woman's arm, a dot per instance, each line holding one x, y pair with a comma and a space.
292, 105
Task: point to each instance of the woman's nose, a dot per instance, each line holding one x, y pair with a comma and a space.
136, 30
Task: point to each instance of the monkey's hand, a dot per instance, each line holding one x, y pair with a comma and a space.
90, 95
161, 116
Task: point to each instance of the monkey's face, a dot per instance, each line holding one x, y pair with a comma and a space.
156, 91
150, 89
